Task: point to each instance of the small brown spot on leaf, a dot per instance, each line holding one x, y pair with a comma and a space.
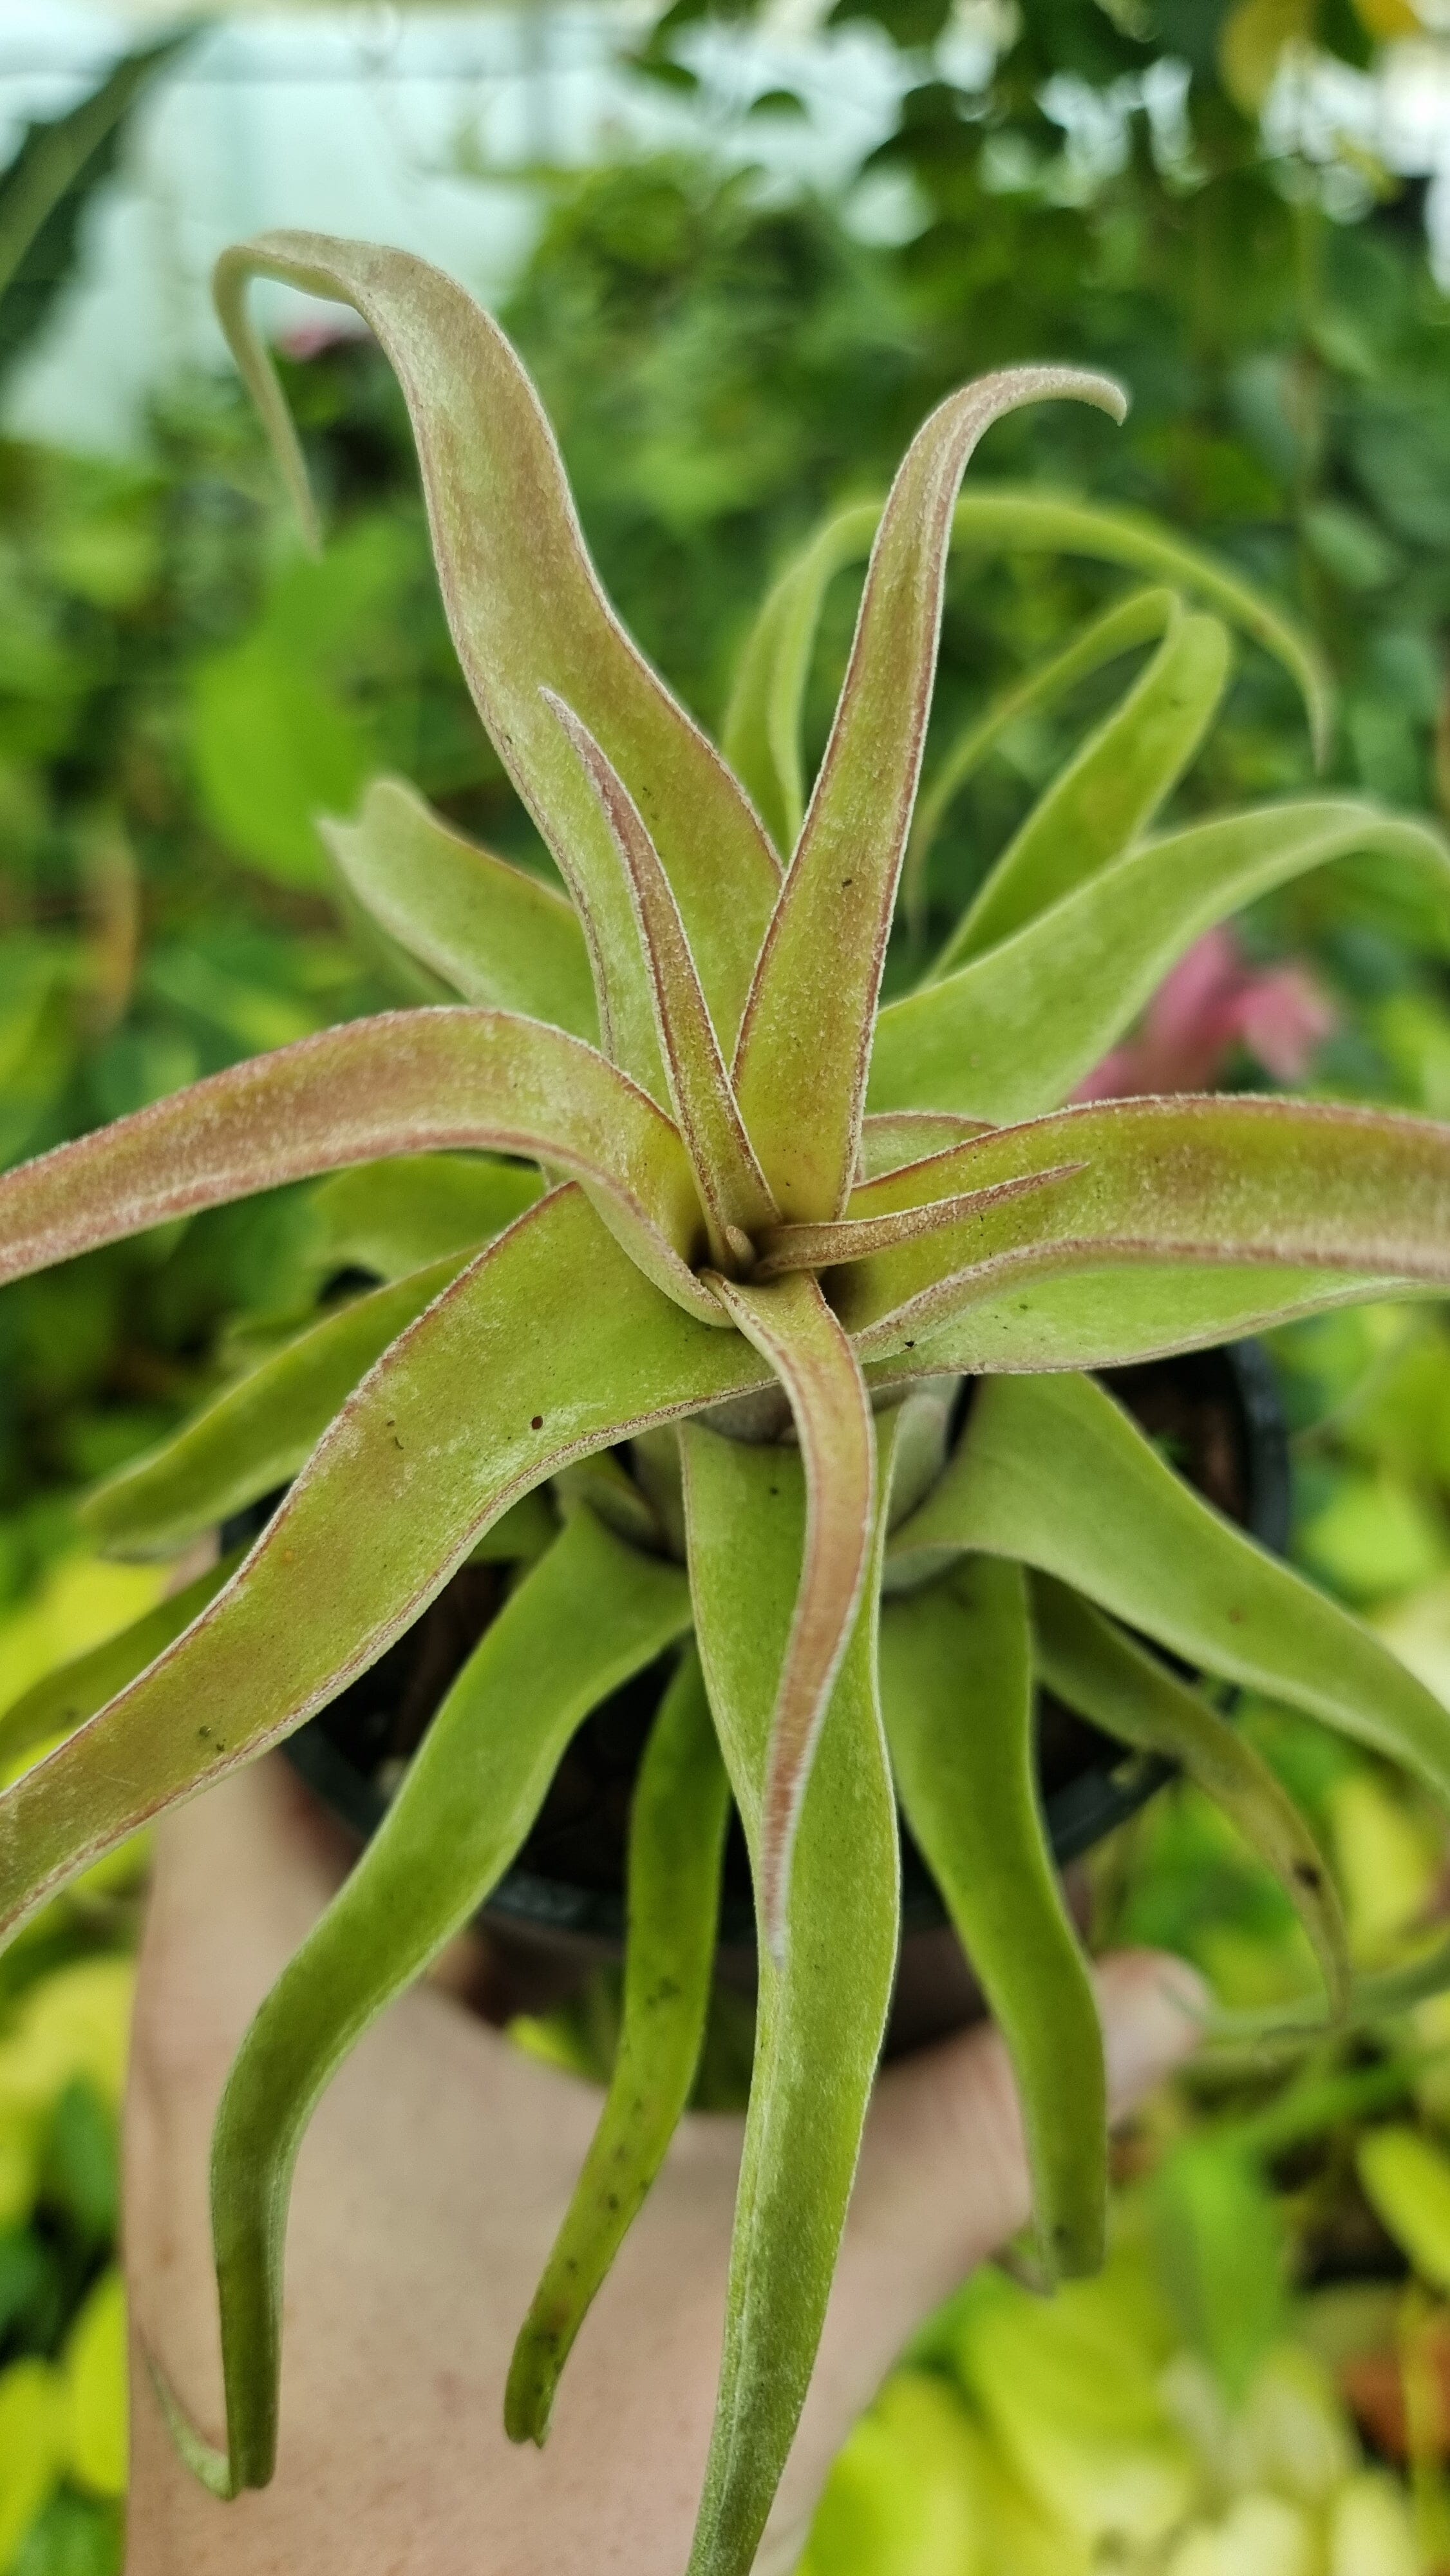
536, 1422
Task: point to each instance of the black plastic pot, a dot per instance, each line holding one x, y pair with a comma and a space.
560, 1911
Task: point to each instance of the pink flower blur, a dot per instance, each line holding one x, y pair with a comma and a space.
1213, 1004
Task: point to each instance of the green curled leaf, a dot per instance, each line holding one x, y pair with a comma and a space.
1108, 792
255, 1436
1101, 1673
956, 1693
584, 1618
1053, 1472
1017, 518
1014, 1031
823, 2011
1138, 619
763, 726
496, 934
62, 1700
676, 1847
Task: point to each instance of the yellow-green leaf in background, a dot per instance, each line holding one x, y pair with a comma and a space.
907, 2495
32, 2448
95, 2384
1406, 2180
81, 1603
1386, 1859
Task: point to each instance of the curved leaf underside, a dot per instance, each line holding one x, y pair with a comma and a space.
805, 1040
501, 937
1051, 1471
587, 1616
677, 1829
1015, 1030
822, 2012
402, 1083
1107, 1677
524, 604
564, 1347
956, 1693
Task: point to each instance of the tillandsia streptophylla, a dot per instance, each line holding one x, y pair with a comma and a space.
777, 1226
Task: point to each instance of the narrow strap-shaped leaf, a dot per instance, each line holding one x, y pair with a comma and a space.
731, 1185
822, 2014
62, 1700
559, 1346
401, 1083
762, 734
826, 1247
393, 1217
1292, 1184
524, 604
1108, 1678
894, 1137
256, 1435
1017, 518
676, 1847
1014, 1032
498, 935
1052, 1471
956, 1695
1138, 619
791, 1325
1300, 2024
1086, 1317
588, 1615
804, 1044
1109, 791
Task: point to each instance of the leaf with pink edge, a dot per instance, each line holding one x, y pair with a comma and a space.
405, 1082
791, 1325
1294, 1186
805, 1040
732, 1187
524, 603
564, 1347
822, 2010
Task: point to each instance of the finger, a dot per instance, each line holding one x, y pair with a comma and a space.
943, 2182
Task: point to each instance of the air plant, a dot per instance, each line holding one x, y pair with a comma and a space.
782, 1362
